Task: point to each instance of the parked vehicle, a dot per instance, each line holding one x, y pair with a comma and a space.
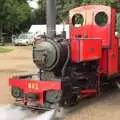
24, 39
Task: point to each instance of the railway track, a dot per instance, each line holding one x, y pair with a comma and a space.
106, 106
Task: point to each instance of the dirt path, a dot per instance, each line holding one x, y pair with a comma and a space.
16, 62
106, 107
19, 61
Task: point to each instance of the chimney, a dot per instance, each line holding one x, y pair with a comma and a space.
51, 18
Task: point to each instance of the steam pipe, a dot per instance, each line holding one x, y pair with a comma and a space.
51, 18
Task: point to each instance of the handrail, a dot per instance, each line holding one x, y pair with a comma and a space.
78, 38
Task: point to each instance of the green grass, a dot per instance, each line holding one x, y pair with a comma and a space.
5, 50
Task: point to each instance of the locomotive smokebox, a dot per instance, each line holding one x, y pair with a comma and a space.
50, 54
51, 18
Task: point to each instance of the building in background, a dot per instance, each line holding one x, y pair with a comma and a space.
42, 29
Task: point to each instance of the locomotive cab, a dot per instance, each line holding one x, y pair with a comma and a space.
98, 28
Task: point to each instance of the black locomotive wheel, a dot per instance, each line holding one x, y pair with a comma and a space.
72, 101
117, 84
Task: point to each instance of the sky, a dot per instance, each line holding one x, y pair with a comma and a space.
33, 3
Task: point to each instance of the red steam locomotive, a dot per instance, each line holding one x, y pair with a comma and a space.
75, 68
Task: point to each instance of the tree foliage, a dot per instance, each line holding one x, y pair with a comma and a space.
39, 15
16, 15
13, 13
105, 2
63, 7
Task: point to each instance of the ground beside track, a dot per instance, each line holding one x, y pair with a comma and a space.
19, 62
16, 62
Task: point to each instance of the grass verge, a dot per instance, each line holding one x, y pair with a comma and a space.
5, 50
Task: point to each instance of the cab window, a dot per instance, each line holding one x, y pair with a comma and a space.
101, 19
77, 20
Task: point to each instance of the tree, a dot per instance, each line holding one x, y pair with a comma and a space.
105, 2
39, 15
12, 14
63, 7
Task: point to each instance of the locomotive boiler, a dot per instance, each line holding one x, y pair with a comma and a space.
72, 69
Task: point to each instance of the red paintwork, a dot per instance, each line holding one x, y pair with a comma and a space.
104, 62
113, 51
88, 92
39, 86
42, 86
90, 50
89, 26
118, 53
77, 42
90, 30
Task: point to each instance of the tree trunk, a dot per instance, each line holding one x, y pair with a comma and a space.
1, 34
